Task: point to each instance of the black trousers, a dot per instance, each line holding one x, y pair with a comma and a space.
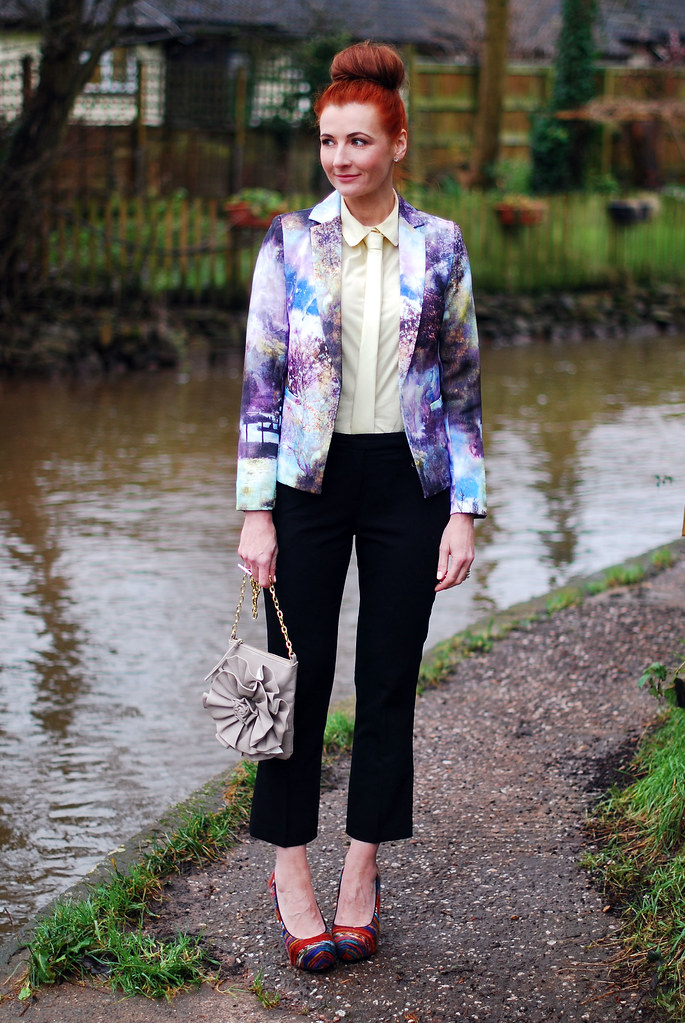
372, 496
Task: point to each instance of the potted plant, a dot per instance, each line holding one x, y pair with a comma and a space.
516, 210
254, 207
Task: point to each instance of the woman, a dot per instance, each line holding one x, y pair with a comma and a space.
360, 422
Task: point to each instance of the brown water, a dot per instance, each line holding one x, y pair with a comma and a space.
117, 581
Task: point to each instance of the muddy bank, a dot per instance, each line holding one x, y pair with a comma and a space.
86, 340
565, 317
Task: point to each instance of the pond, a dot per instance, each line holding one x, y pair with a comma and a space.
118, 540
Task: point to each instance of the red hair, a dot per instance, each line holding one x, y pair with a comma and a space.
368, 73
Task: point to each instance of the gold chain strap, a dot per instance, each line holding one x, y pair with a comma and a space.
255, 607
279, 614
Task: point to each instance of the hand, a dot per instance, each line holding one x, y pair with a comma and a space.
258, 547
456, 551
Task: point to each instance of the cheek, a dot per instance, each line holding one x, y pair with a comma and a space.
378, 167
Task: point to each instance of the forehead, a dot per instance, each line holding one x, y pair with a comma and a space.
350, 119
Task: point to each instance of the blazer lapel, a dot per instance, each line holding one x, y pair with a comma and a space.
412, 281
326, 242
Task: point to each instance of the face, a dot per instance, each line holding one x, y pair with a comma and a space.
357, 154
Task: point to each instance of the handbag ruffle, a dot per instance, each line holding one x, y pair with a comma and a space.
251, 701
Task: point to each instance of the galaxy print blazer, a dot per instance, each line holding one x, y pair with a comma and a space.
293, 358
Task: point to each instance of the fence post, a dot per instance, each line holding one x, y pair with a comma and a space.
26, 80
413, 153
140, 128
240, 128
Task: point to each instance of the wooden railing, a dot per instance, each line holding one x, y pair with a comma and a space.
186, 250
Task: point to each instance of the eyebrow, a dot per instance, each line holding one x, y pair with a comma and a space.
350, 134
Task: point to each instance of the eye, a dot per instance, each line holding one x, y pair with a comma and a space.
326, 142
359, 142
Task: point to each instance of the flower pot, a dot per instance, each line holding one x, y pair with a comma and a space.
515, 215
240, 214
629, 211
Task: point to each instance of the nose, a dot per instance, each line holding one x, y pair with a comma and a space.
340, 158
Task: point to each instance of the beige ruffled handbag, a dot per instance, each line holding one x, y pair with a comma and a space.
251, 693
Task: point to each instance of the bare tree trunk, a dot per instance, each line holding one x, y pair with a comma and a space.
491, 92
70, 52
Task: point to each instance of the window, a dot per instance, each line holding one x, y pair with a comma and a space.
117, 72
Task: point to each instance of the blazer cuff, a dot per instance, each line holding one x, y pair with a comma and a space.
256, 484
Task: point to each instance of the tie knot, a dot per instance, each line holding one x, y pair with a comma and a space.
374, 240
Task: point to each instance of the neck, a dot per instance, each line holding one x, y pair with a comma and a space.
371, 210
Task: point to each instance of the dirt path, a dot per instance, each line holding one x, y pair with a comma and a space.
486, 914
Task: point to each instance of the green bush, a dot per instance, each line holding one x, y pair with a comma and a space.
561, 150
550, 146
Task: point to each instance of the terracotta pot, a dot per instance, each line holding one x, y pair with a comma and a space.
511, 215
241, 215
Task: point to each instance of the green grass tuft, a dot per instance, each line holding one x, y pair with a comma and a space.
101, 934
624, 575
445, 656
640, 831
663, 558
562, 599
267, 998
338, 734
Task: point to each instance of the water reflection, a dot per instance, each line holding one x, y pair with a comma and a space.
117, 553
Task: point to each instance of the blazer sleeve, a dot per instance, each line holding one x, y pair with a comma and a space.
266, 358
460, 386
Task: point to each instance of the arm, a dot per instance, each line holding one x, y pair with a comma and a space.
266, 358
460, 385
460, 359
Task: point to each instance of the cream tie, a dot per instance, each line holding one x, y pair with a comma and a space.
364, 402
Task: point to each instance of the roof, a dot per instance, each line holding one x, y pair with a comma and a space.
448, 26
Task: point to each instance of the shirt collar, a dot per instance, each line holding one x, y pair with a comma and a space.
354, 232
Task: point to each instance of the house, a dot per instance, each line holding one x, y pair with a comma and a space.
202, 93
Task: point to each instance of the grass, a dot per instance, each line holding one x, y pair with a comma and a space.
662, 558
624, 575
445, 656
268, 999
562, 599
180, 246
339, 731
640, 832
102, 935
80, 938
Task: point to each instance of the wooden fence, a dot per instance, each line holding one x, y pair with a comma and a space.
140, 145
443, 108
186, 250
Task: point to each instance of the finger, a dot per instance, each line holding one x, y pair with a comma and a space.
448, 581
459, 571
263, 574
443, 563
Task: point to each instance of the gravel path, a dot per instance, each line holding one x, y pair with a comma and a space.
486, 914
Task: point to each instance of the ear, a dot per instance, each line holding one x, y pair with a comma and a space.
401, 146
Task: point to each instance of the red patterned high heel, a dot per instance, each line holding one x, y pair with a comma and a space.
356, 943
311, 954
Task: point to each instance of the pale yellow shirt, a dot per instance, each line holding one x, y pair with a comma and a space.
387, 415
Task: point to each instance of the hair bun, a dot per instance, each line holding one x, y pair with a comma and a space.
371, 62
